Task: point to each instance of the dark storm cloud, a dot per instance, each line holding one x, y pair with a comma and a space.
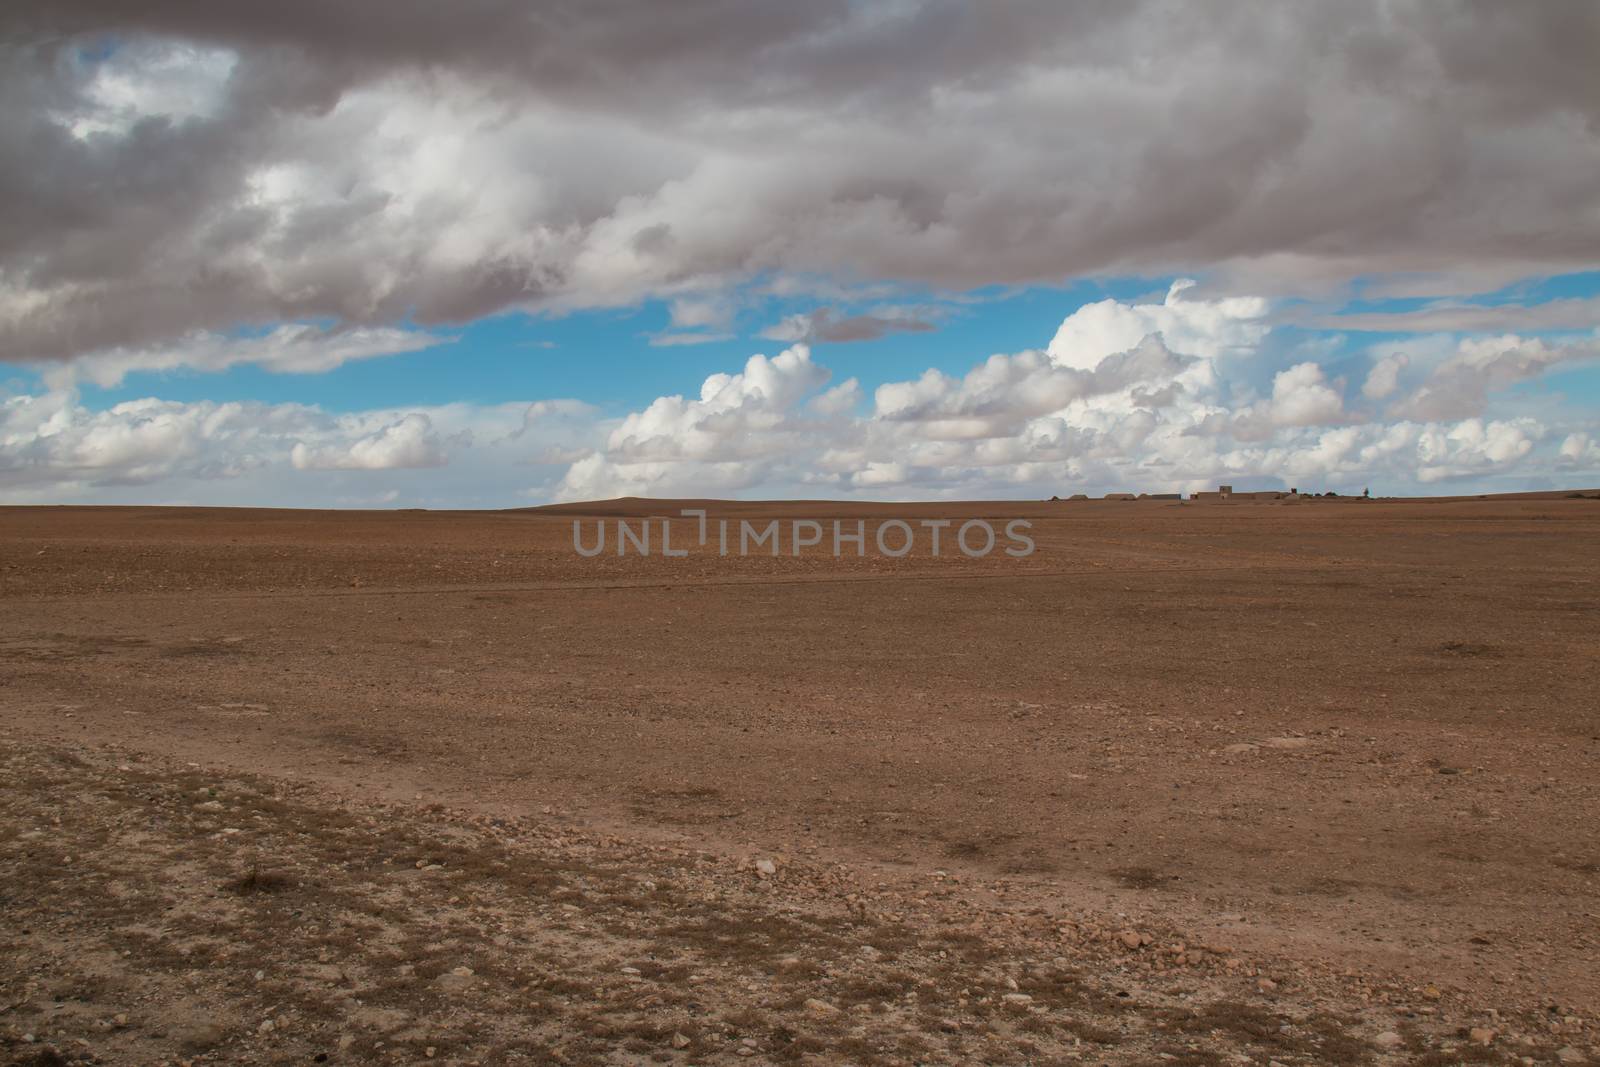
181, 166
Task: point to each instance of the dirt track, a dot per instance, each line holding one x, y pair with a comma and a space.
1355, 742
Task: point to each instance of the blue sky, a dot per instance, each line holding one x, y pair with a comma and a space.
606, 357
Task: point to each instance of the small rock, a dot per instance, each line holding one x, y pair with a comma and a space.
456, 981
1266, 985
1286, 742
1482, 1035
1242, 749
821, 1007
766, 868
1131, 938
1571, 1055
1017, 998
1388, 1039
680, 1040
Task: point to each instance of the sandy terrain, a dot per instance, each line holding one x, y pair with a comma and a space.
1194, 784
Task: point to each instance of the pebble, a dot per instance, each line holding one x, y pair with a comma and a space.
820, 1007
1571, 1055
680, 1040
766, 868
1131, 938
1388, 1039
1482, 1035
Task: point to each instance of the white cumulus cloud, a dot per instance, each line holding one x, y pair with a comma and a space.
407, 443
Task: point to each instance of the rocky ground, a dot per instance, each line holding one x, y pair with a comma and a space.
1192, 786
170, 913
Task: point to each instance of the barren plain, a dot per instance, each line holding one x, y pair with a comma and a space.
1191, 784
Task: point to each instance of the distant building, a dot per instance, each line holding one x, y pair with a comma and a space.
1226, 493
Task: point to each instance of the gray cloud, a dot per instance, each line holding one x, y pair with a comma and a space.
826, 325
1568, 314
175, 167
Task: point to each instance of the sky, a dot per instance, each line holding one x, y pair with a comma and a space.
494, 253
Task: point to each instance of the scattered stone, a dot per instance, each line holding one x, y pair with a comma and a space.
1017, 998
1286, 742
1571, 1055
1131, 938
766, 868
1388, 1040
1241, 749
1482, 1035
455, 981
821, 1008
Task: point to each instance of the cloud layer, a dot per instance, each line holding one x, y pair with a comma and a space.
191, 168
